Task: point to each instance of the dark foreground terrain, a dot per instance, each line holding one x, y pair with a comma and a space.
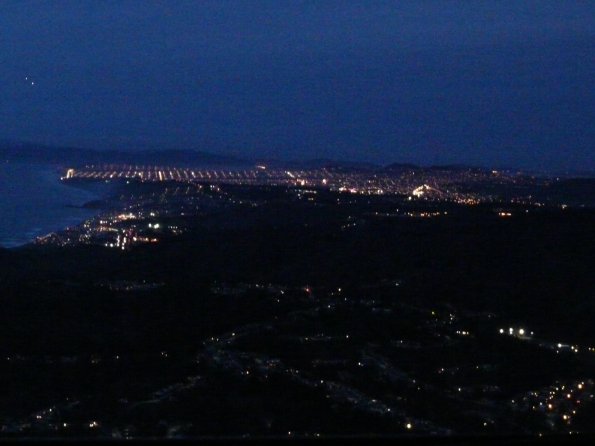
285, 313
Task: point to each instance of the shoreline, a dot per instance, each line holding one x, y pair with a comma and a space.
37, 203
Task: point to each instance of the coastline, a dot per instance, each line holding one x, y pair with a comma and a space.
35, 203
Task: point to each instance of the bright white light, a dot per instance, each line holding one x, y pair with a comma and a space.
521, 331
501, 331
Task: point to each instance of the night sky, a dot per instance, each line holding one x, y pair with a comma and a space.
506, 83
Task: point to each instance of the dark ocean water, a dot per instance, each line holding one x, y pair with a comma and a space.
33, 202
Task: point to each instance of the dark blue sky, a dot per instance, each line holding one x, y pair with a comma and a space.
498, 83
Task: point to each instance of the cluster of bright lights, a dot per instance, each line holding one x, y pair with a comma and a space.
513, 332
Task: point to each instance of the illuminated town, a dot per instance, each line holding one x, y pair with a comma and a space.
436, 183
355, 221
178, 194
346, 337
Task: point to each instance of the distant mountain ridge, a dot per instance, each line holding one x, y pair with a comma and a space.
318, 163
77, 156
401, 167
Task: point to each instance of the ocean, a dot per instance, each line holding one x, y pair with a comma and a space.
34, 202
